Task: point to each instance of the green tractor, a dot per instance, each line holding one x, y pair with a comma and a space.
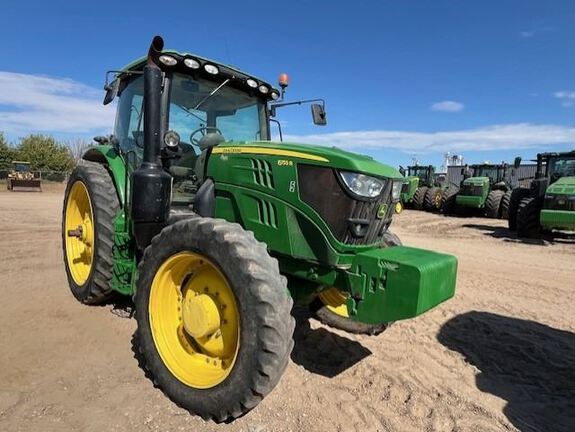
486, 188
549, 202
424, 189
215, 231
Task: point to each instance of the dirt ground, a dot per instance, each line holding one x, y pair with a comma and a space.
500, 356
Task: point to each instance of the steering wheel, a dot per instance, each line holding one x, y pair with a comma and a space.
204, 130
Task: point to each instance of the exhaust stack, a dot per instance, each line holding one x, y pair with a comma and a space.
151, 185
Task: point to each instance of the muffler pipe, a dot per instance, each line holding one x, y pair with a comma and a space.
151, 185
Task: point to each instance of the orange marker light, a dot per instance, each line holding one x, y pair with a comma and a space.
283, 80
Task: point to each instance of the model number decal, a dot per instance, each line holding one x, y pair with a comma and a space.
285, 162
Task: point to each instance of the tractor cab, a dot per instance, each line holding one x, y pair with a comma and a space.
204, 103
424, 173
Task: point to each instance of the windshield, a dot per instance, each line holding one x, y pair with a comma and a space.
420, 172
21, 167
236, 115
561, 167
490, 172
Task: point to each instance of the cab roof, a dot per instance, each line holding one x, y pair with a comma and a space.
225, 71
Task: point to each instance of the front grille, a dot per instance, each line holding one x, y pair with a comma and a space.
351, 220
559, 202
471, 190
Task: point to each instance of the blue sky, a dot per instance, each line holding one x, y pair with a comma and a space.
488, 79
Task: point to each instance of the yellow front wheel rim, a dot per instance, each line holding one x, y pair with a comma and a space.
335, 301
438, 200
398, 207
79, 232
194, 320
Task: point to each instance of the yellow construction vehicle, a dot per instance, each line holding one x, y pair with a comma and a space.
21, 179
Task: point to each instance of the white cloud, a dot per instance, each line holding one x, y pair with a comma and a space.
566, 97
496, 137
447, 106
33, 103
527, 34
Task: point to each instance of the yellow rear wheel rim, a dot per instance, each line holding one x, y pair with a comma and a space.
335, 301
194, 320
79, 232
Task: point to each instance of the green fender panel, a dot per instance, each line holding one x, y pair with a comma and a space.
108, 156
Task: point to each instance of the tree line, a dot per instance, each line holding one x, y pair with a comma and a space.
42, 151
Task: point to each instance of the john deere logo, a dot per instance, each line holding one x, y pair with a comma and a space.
382, 211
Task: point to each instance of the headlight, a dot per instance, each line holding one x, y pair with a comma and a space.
211, 69
252, 83
263, 89
168, 60
362, 185
172, 139
191, 63
396, 190
275, 95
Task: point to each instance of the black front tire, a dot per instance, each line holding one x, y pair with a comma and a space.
433, 199
493, 204
448, 200
266, 325
105, 206
528, 218
419, 197
504, 208
516, 196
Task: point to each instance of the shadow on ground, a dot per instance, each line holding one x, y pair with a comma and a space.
508, 235
321, 351
530, 365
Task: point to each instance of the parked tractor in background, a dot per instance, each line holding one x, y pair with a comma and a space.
424, 189
549, 202
215, 231
485, 188
21, 179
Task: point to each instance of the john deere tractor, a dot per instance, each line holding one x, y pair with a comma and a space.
485, 188
215, 231
424, 189
549, 202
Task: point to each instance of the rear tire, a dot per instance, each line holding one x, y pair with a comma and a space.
104, 204
325, 315
493, 204
419, 197
504, 207
516, 196
528, 218
262, 309
433, 199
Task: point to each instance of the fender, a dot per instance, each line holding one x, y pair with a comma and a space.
114, 162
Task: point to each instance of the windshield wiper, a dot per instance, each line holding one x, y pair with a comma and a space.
214, 91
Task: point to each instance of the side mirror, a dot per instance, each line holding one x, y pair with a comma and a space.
111, 91
517, 162
318, 114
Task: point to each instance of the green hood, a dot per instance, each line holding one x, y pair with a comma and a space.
476, 181
315, 154
563, 186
